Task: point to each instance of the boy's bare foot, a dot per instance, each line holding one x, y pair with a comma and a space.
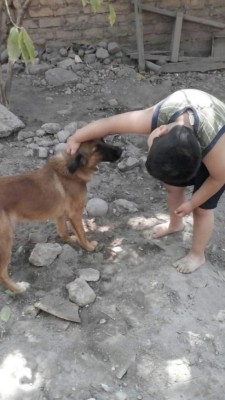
189, 263
165, 229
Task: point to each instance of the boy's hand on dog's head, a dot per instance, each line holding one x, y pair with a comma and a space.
72, 145
161, 130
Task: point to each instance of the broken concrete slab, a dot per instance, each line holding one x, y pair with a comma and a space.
9, 122
59, 307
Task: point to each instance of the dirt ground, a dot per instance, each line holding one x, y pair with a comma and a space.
152, 333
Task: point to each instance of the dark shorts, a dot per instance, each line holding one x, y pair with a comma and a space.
197, 182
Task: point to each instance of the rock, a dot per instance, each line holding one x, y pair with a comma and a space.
40, 132
123, 205
97, 207
127, 72
60, 76
51, 128
128, 164
77, 59
221, 316
58, 307
67, 63
42, 152
63, 52
89, 274
4, 56
22, 135
72, 127
89, 58
113, 48
35, 69
44, 142
107, 61
101, 54
80, 86
9, 122
103, 44
68, 91
43, 254
60, 147
63, 135
80, 292
113, 102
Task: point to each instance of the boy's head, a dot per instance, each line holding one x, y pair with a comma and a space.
174, 158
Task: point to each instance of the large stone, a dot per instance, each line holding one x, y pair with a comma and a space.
80, 292
101, 54
43, 254
9, 122
60, 76
97, 207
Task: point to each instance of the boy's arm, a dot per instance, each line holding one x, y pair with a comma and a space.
130, 122
215, 163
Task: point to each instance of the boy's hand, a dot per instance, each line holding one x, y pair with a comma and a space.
72, 145
161, 130
184, 209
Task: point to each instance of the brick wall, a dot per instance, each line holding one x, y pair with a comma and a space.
60, 22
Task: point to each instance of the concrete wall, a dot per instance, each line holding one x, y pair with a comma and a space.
60, 22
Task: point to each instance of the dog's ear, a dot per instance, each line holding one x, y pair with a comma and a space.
76, 162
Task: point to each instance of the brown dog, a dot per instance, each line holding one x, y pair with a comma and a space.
55, 191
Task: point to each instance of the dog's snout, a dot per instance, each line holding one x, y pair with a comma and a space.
109, 152
119, 152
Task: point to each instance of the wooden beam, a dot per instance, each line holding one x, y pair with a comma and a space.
190, 18
162, 57
156, 10
175, 42
192, 66
139, 34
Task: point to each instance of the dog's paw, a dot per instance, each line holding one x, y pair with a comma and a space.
71, 239
22, 286
91, 246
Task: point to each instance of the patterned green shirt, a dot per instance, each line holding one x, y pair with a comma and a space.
208, 112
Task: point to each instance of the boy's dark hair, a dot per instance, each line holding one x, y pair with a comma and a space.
174, 158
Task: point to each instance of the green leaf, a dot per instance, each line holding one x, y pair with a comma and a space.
26, 46
13, 48
5, 313
23, 48
85, 2
112, 15
96, 4
29, 44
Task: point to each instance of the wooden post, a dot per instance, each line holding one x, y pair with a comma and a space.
175, 42
139, 34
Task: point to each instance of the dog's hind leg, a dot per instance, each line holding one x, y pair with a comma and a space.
6, 241
64, 231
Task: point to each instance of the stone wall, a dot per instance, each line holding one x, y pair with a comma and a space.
60, 22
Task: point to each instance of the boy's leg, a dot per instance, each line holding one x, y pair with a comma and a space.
203, 221
175, 197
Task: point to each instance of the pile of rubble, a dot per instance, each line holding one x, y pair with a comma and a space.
63, 65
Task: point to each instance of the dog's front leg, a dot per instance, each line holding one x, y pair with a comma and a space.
77, 224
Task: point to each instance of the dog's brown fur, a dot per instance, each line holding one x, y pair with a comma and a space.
55, 191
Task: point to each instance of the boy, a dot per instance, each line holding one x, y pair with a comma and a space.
186, 114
